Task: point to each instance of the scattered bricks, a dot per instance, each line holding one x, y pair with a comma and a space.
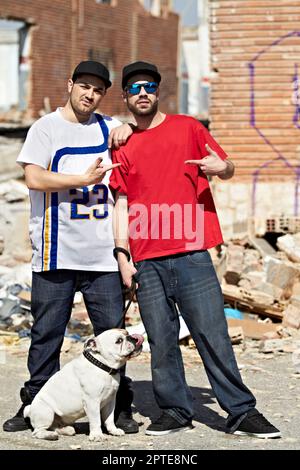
295, 301
281, 274
286, 345
253, 280
245, 301
235, 257
236, 334
272, 290
284, 332
253, 329
271, 345
296, 289
245, 284
270, 335
290, 244
261, 245
251, 261
258, 297
291, 317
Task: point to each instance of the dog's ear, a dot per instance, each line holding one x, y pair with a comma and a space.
90, 343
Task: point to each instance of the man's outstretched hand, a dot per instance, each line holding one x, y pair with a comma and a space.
212, 164
96, 172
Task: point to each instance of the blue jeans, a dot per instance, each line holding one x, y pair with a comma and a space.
52, 299
189, 280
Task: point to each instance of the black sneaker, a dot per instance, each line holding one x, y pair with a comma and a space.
18, 422
126, 422
256, 425
166, 424
123, 411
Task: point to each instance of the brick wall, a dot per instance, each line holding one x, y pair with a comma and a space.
66, 32
255, 47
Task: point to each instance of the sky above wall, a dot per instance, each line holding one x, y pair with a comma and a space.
187, 9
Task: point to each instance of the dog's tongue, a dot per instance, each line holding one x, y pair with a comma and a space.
139, 339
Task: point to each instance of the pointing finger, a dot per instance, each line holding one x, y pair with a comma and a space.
195, 162
211, 151
110, 167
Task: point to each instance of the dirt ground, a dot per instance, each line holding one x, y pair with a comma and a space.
271, 377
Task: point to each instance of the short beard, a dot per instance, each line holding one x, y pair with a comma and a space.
78, 111
140, 112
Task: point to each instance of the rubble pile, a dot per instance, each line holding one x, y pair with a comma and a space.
263, 285
260, 283
267, 285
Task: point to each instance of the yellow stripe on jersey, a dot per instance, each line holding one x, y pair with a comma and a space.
47, 233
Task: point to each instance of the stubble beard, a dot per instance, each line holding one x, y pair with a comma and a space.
80, 111
143, 112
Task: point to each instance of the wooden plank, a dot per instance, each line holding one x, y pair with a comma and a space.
260, 309
251, 328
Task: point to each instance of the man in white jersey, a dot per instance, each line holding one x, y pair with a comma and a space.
66, 160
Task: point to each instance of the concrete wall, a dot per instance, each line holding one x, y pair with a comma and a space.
244, 208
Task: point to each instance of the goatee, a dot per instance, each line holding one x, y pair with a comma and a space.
143, 112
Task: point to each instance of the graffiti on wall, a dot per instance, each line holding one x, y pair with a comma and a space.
277, 46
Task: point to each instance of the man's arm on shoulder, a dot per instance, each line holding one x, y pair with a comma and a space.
119, 135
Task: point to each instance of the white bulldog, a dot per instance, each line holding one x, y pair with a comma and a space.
85, 386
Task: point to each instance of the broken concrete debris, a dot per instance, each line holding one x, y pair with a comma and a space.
258, 283
291, 316
290, 244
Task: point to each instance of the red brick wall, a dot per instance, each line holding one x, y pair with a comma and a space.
66, 32
255, 47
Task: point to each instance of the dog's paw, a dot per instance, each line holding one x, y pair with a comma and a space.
116, 432
66, 431
44, 434
97, 436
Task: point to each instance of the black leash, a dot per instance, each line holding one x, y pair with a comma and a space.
129, 290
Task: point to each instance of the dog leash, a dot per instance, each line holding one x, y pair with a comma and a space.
132, 288
129, 290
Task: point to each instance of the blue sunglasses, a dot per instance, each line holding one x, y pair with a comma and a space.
135, 88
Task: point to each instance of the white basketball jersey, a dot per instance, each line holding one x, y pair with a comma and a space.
71, 229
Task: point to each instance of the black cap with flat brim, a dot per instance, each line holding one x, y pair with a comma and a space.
137, 68
90, 67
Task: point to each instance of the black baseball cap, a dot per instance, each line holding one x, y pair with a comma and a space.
91, 67
139, 67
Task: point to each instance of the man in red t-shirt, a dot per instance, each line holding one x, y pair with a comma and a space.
164, 203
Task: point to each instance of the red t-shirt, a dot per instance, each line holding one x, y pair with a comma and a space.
171, 209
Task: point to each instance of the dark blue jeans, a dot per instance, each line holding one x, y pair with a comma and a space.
189, 280
52, 299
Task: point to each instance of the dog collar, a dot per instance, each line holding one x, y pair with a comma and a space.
99, 364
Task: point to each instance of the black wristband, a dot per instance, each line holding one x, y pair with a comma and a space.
119, 249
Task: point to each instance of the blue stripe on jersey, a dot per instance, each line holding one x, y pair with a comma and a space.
54, 196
